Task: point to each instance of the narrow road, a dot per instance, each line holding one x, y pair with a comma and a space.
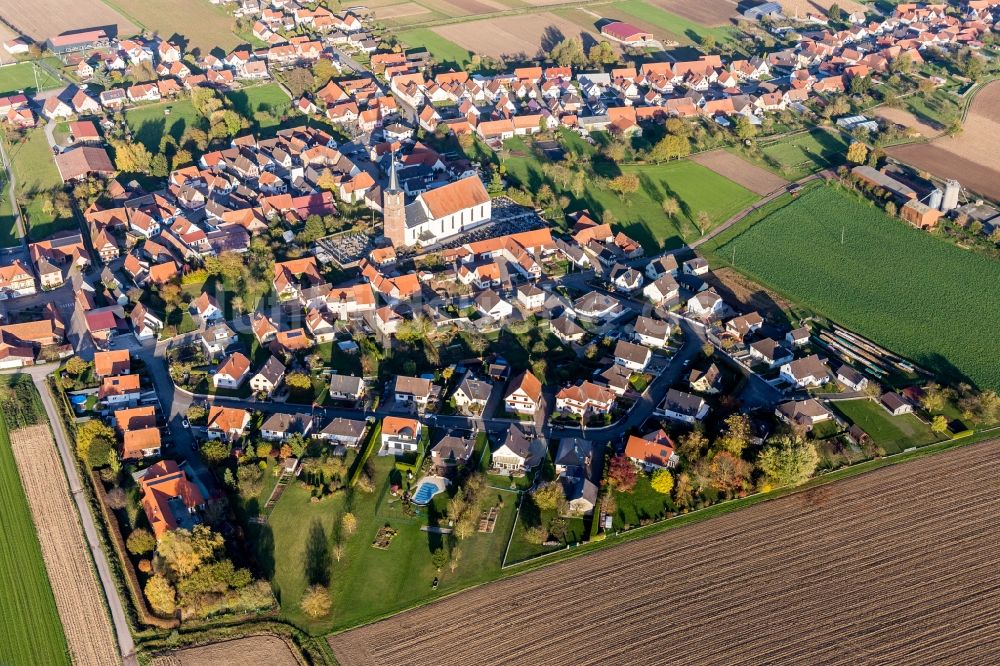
125, 643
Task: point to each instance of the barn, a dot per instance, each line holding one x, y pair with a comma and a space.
626, 33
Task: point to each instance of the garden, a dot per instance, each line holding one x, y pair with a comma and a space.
892, 433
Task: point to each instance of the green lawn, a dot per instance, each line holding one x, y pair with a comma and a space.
30, 631
267, 99
892, 433
21, 77
521, 549
801, 154
445, 52
35, 171
676, 27
640, 215
149, 123
8, 224
643, 503
917, 295
369, 582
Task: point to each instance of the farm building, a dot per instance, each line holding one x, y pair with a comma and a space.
77, 41
756, 12
83, 161
919, 214
626, 33
876, 178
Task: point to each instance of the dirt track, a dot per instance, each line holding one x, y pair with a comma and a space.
738, 170
970, 157
74, 584
269, 650
895, 566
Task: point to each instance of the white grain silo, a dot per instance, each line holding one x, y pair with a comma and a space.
951, 190
934, 200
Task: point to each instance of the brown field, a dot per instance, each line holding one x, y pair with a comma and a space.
705, 12
735, 288
270, 650
894, 566
970, 157
513, 35
41, 19
74, 583
740, 171
400, 10
908, 120
802, 7
197, 23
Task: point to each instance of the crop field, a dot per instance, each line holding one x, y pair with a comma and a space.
801, 8
201, 26
741, 172
251, 650
78, 597
41, 19
523, 34
970, 157
641, 216
704, 12
892, 433
886, 567
675, 26
21, 76
444, 51
915, 294
30, 631
908, 120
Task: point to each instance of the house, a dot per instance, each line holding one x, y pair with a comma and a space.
145, 325
805, 372
696, 266
742, 326
574, 456
290, 277
280, 426
660, 266
566, 329
206, 308
625, 278
83, 161
399, 435
581, 494
119, 390
231, 372
627, 34
113, 362
346, 387
632, 356
895, 404
708, 381
518, 453
803, 413
597, 306
141, 443
652, 332
651, 451
617, 378
417, 392
472, 395
798, 337
226, 423
530, 297
452, 452
769, 352
53, 258
269, 377
263, 328
169, 499
706, 305
683, 407
491, 305
104, 323
135, 418
663, 290
524, 395
217, 339
584, 399
343, 432
851, 378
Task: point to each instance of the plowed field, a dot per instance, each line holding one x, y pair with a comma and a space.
740, 171
894, 566
78, 597
41, 19
269, 650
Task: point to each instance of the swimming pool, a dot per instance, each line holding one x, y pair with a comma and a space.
425, 492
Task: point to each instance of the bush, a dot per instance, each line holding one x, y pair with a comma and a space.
140, 542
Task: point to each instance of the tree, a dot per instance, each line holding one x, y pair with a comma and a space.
549, 496
621, 474
703, 221
323, 70
214, 451
671, 146
348, 523
860, 85
737, 435
662, 481
158, 167
745, 129
466, 526
692, 445
602, 53
835, 12
140, 541
456, 555
131, 157
626, 183
161, 595
940, 424
857, 153
299, 81
568, 52
670, 207
298, 381
728, 474
439, 558
183, 551
76, 366
315, 601
94, 441
787, 461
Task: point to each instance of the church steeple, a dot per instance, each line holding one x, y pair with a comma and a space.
393, 177
393, 208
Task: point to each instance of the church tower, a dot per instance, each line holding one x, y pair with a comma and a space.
394, 209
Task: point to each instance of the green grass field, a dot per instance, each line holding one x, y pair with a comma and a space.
446, 52
8, 223
369, 582
676, 27
640, 215
268, 98
892, 433
35, 171
21, 77
149, 123
643, 503
30, 631
801, 154
917, 295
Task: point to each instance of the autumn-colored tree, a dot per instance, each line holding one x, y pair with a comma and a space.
670, 207
857, 153
214, 451
692, 445
626, 183
683, 492
466, 526
549, 496
728, 474
703, 221
131, 157
670, 147
939, 424
140, 541
161, 595
662, 481
621, 474
298, 381
456, 555
315, 602
76, 366
348, 524
183, 551
788, 461
94, 440
737, 434
934, 398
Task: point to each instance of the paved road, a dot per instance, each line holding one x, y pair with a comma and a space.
125, 643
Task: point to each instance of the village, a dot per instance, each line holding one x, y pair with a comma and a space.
358, 316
